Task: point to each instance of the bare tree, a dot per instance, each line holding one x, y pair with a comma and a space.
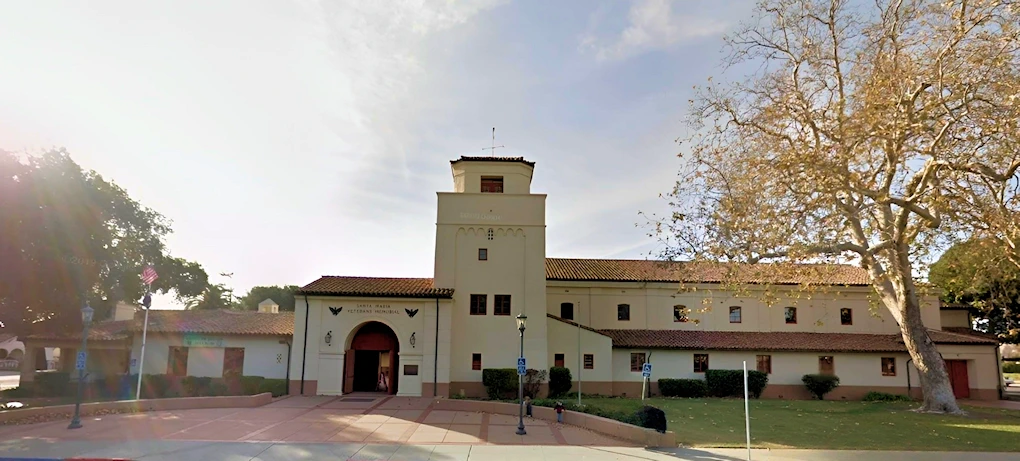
858, 132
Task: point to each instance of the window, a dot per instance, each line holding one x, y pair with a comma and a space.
846, 316
623, 312
478, 304
502, 306
791, 315
888, 366
734, 314
410, 370
680, 313
826, 365
177, 361
476, 361
700, 363
589, 361
558, 360
765, 363
637, 360
492, 184
489, 234
483, 254
567, 311
233, 361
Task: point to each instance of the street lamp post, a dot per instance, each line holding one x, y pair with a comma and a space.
86, 320
521, 321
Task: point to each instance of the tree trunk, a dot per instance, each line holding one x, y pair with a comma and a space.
938, 392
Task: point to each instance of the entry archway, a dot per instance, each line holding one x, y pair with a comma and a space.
371, 360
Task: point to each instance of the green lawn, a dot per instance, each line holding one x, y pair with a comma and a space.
1013, 376
831, 425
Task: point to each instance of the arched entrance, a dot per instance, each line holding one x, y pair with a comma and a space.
370, 364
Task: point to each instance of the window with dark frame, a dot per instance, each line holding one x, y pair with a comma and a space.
765, 364
476, 361
410, 370
589, 361
791, 315
637, 361
502, 305
826, 365
558, 360
233, 361
478, 304
888, 366
700, 363
846, 316
492, 184
177, 361
734, 314
567, 311
483, 254
623, 312
680, 313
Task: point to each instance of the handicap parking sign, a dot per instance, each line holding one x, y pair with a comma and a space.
79, 363
646, 370
522, 366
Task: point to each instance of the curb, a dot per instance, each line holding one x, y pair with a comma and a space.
63, 459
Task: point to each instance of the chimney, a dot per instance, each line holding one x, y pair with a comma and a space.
269, 306
122, 311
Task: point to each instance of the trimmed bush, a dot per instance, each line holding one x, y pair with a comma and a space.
277, 387
533, 382
1011, 367
728, 383
250, 384
886, 397
617, 415
53, 384
559, 381
819, 385
499, 382
690, 388
652, 418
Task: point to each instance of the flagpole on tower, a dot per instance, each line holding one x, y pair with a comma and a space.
148, 276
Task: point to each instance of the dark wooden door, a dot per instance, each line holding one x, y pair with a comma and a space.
958, 378
349, 371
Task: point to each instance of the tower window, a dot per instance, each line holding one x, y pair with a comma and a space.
502, 306
489, 234
623, 312
483, 254
735, 314
567, 311
791, 315
478, 304
680, 313
846, 316
492, 184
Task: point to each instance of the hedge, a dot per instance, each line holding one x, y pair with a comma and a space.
691, 388
53, 384
727, 383
819, 385
1011, 367
886, 397
559, 381
499, 382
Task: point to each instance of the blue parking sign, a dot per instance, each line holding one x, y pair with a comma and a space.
79, 363
522, 366
646, 370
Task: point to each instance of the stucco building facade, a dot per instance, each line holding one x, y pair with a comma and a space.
601, 318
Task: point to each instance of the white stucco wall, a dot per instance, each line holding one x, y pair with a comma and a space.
563, 339
263, 355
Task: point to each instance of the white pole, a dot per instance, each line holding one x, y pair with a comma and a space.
579, 362
747, 415
141, 357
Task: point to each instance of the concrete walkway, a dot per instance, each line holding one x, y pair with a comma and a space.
166, 450
370, 419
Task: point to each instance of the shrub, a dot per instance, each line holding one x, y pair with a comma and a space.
726, 383
819, 385
691, 388
885, 397
53, 384
20, 392
617, 415
533, 382
218, 389
499, 381
1011, 367
652, 418
156, 386
194, 386
250, 384
277, 387
559, 381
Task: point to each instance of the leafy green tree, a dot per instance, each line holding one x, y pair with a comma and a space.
68, 235
981, 274
281, 295
214, 296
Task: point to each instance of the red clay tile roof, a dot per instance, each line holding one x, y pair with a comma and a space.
226, 322
775, 341
375, 287
465, 158
633, 270
106, 330
575, 324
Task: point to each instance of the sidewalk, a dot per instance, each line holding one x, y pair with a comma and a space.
153, 450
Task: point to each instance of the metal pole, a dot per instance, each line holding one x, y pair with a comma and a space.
747, 415
141, 356
520, 394
579, 363
76, 420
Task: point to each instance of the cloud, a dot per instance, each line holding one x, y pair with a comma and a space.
652, 24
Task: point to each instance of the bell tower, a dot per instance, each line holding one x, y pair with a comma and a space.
490, 248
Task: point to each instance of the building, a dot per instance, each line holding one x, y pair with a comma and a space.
601, 318
201, 343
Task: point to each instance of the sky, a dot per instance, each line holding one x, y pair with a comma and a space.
292, 139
